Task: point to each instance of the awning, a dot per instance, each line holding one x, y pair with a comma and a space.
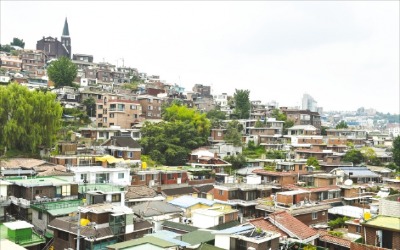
108, 158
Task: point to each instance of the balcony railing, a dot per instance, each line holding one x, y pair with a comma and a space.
4, 201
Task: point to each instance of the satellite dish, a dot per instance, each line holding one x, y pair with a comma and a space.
348, 182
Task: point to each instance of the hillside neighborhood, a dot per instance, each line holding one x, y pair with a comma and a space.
116, 158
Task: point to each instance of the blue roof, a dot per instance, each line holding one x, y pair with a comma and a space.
169, 236
358, 171
189, 201
235, 230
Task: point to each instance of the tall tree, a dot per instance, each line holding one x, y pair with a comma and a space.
341, 124
242, 103
396, 151
28, 119
90, 106
182, 113
234, 133
62, 72
355, 156
237, 161
18, 42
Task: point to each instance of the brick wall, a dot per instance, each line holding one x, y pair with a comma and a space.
371, 236
322, 217
220, 194
359, 246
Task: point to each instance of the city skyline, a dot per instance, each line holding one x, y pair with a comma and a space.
344, 54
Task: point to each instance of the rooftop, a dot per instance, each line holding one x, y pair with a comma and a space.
34, 240
58, 208
198, 236
385, 222
102, 188
189, 201
40, 181
349, 211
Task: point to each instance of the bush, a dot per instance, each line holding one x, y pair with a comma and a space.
336, 233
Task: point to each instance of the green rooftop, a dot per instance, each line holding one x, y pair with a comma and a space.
199, 236
58, 208
144, 240
31, 240
100, 187
385, 222
38, 181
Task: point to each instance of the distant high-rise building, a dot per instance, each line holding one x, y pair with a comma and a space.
308, 103
53, 48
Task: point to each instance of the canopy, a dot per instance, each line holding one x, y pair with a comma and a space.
109, 158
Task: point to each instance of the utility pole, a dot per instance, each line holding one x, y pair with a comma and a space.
78, 234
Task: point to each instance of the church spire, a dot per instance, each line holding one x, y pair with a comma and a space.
65, 30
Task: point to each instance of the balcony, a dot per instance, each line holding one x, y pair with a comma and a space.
4, 201
116, 110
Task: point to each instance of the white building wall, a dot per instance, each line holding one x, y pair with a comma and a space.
222, 241
204, 221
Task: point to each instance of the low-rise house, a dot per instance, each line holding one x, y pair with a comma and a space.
297, 130
333, 161
245, 237
242, 196
27, 191
210, 217
356, 174
160, 176
383, 231
4, 198
98, 193
277, 178
217, 135
98, 174
150, 106
331, 242
148, 242
100, 225
139, 194
123, 147
173, 193
43, 213
22, 234
157, 212
284, 223
11, 63
291, 166
203, 158
119, 112
188, 204
106, 133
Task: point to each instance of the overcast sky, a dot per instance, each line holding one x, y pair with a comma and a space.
344, 54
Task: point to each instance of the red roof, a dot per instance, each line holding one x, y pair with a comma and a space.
292, 226
325, 236
272, 173
266, 225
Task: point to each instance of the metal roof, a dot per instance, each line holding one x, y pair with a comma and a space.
189, 201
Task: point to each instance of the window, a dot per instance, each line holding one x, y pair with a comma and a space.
40, 215
155, 176
99, 115
119, 153
358, 229
111, 115
331, 182
220, 192
170, 177
116, 197
38, 191
83, 177
130, 154
219, 134
301, 167
63, 235
133, 107
121, 175
314, 215
66, 190
142, 177
221, 220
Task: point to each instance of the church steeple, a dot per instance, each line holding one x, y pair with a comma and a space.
65, 30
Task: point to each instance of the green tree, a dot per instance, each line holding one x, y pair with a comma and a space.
312, 161
28, 119
396, 151
323, 130
355, 156
216, 114
233, 133
6, 48
18, 42
62, 72
90, 106
237, 161
393, 166
170, 142
182, 113
341, 124
369, 155
242, 103
259, 124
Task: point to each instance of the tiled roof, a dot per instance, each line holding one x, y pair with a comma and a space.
272, 173
179, 191
266, 225
205, 188
179, 226
53, 172
155, 208
198, 236
136, 192
325, 236
292, 226
122, 141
